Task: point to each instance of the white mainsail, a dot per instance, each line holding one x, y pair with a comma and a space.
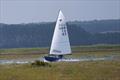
60, 42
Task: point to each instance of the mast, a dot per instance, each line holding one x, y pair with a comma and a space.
60, 42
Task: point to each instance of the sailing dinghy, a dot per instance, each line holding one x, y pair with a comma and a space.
60, 45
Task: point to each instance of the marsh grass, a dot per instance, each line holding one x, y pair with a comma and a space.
24, 50
91, 70
88, 70
77, 51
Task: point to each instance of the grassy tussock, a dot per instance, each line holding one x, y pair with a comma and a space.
38, 63
101, 70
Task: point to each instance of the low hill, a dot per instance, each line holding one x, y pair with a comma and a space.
98, 26
40, 34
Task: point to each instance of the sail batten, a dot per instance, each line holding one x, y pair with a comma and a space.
60, 43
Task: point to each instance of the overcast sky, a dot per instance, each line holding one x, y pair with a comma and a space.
27, 11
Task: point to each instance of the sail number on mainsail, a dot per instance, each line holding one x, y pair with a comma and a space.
63, 28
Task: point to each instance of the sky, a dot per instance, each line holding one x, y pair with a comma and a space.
30, 11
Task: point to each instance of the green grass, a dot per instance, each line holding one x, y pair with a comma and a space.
77, 51
99, 47
22, 53
23, 50
97, 70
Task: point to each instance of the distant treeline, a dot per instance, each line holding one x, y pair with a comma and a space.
40, 34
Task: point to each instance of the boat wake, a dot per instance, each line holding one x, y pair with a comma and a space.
75, 60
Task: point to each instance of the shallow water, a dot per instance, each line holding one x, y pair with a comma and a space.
82, 58
13, 62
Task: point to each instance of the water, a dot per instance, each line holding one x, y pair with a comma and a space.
13, 62
88, 58
83, 58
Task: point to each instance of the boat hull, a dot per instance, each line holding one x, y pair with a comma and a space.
51, 58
